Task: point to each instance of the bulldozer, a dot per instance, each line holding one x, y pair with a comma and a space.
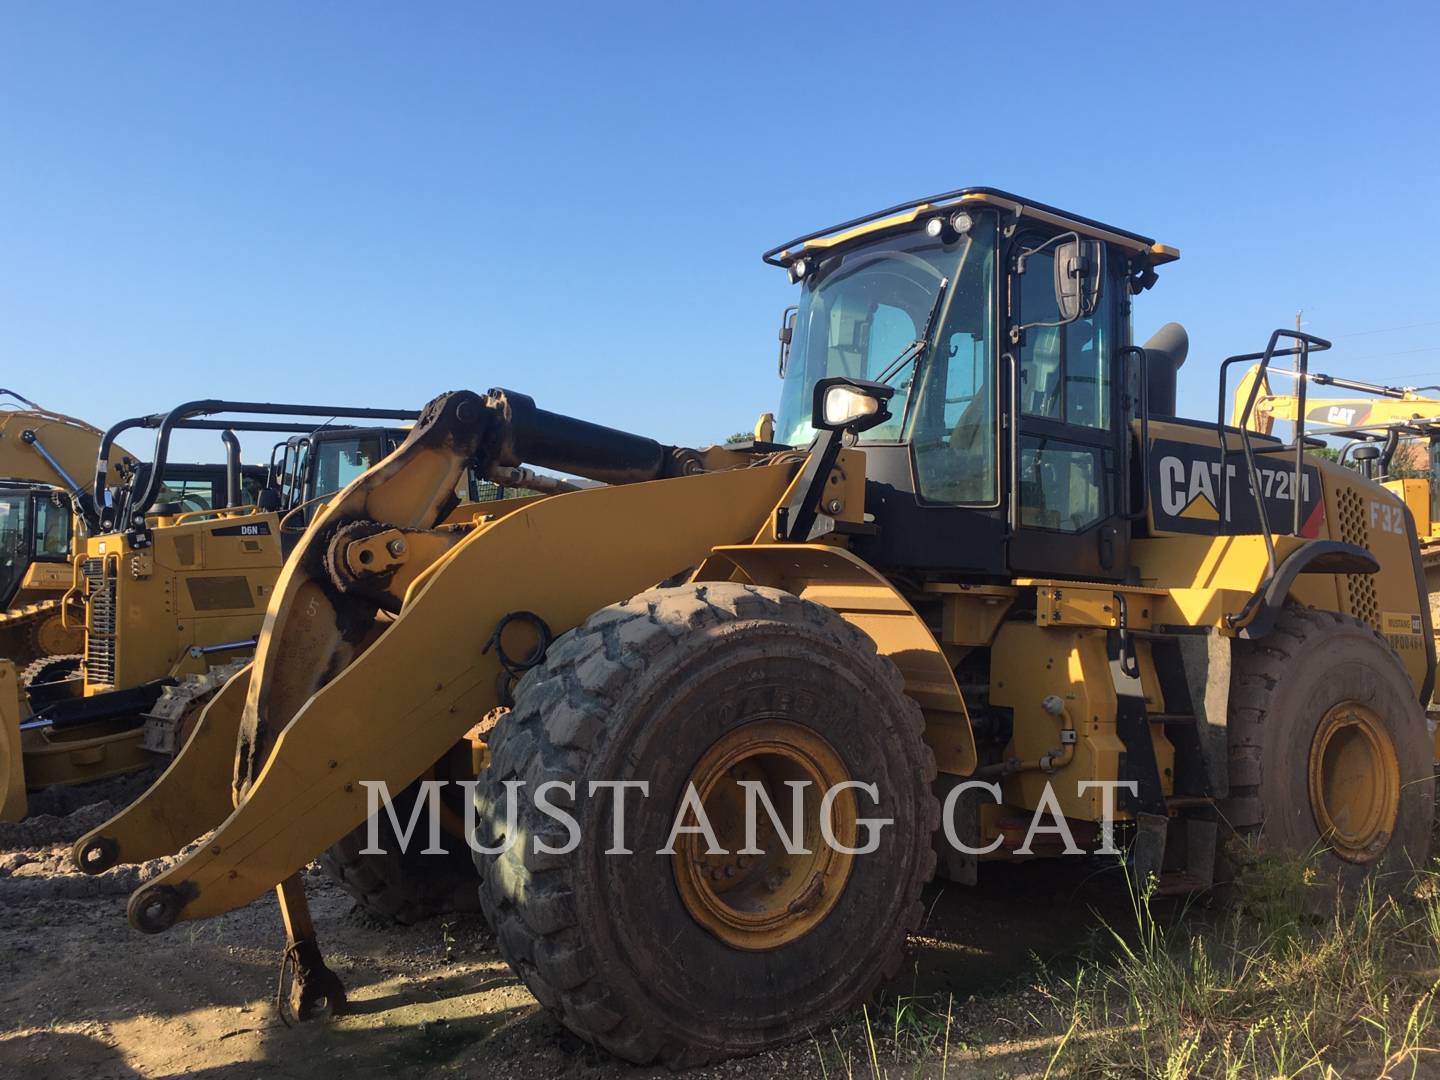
980, 595
170, 580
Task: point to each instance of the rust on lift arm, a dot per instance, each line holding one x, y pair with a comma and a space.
339, 696
312, 630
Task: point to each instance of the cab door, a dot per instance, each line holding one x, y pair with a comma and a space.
1067, 423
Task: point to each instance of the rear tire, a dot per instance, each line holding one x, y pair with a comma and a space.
620, 947
403, 887
1330, 756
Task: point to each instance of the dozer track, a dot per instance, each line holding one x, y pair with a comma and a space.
165, 722
33, 631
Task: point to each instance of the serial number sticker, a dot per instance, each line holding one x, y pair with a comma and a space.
1401, 622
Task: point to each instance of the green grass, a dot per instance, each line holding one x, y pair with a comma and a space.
1282, 983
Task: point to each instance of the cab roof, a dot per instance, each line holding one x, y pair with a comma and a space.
907, 212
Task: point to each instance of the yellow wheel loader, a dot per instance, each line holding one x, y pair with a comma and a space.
41, 455
985, 597
172, 580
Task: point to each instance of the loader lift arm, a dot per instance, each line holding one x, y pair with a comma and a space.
316, 724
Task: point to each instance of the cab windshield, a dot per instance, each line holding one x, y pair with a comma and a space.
860, 309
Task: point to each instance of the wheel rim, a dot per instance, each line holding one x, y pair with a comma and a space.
763, 901
1354, 782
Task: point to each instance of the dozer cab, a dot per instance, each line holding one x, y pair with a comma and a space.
981, 594
170, 582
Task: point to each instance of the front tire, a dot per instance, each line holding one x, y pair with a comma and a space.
689, 958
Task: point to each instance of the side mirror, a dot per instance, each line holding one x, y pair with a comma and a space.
845, 404
787, 332
1079, 266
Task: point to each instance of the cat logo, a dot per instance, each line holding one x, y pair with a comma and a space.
1340, 416
1194, 492
1200, 508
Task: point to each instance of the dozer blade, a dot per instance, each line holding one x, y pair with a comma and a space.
12, 762
351, 701
191, 797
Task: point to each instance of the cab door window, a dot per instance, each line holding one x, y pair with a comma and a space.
1067, 447
1062, 485
339, 461
1064, 370
52, 527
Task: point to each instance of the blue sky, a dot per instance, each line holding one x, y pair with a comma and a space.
368, 203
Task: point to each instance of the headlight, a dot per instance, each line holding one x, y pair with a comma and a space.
844, 404
853, 404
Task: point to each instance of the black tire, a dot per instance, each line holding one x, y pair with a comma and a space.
1281, 688
403, 887
641, 691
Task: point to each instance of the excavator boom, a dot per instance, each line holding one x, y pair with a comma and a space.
42, 447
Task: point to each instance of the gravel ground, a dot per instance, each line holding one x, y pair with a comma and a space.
84, 995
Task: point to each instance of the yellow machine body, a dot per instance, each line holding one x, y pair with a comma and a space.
391, 636
419, 690
203, 580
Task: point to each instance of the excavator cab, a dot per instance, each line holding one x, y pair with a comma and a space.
35, 528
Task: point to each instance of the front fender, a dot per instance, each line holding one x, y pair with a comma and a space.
863, 597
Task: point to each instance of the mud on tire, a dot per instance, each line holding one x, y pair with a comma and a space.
641, 691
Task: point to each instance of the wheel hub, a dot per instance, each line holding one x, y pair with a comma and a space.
765, 897
1354, 782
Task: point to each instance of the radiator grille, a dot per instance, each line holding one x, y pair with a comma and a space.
100, 641
1359, 588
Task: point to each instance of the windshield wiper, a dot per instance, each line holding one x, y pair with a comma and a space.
916, 348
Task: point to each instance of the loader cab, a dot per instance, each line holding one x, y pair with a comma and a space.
35, 526
1004, 329
305, 469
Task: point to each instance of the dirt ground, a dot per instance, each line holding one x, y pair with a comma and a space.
84, 995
